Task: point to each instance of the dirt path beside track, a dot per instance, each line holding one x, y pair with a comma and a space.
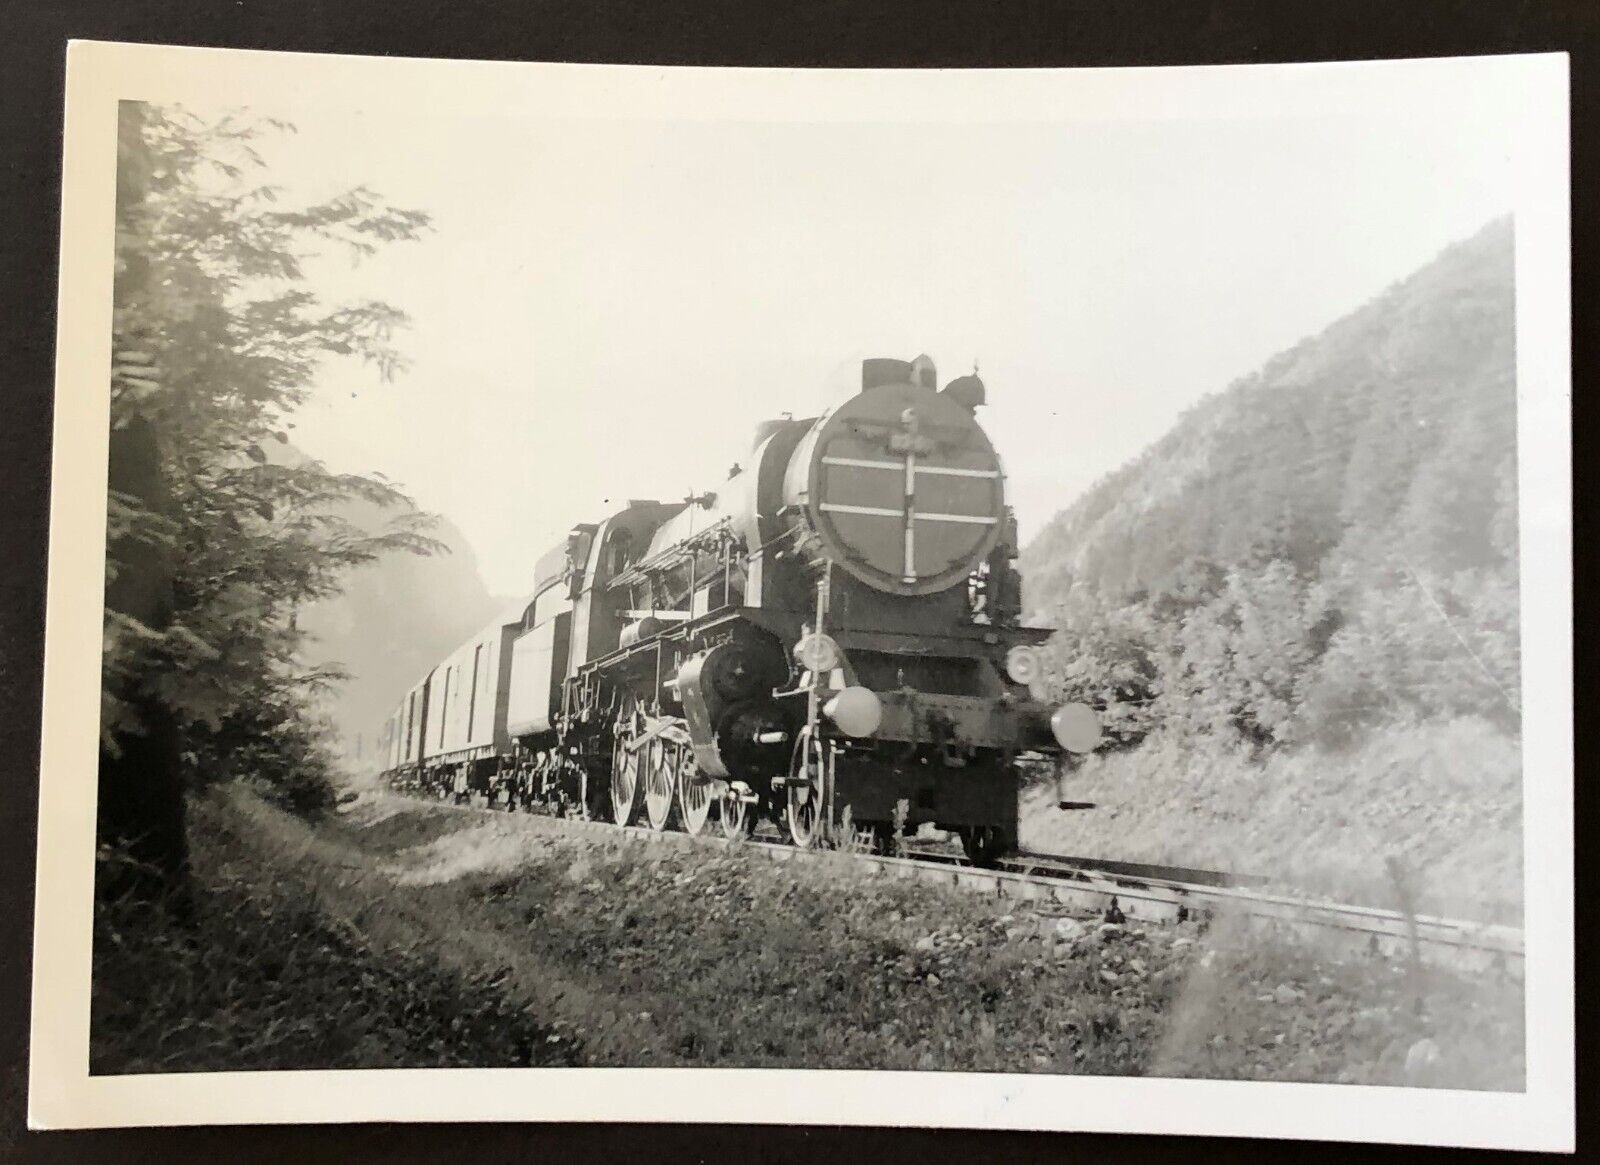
356, 870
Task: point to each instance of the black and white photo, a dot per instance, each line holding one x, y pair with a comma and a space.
570, 584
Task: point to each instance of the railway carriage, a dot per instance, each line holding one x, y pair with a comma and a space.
831, 639
406, 732
467, 734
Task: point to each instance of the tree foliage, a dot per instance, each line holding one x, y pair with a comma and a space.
218, 534
1328, 545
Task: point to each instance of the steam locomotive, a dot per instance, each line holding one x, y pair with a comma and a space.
831, 640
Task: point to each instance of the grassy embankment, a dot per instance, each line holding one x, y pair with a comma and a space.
266, 978
1442, 800
403, 934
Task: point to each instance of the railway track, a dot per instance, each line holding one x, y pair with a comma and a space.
1058, 886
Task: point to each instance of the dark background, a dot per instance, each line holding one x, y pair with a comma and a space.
1016, 33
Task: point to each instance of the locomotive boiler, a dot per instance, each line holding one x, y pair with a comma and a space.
831, 640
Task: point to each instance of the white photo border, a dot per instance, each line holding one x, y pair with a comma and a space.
62, 1094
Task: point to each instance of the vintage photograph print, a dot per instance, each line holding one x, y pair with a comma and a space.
1031, 580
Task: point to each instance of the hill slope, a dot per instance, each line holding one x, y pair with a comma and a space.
1394, 427
1355, 500
1322, 556
395, 619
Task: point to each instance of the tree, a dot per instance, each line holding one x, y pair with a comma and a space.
1328, 545
1104, 656
214, 542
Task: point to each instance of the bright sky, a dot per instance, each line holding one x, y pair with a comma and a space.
605, 309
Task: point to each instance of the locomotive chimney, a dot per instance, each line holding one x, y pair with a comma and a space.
880, 370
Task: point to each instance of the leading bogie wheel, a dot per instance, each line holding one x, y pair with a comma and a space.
804, 811
736, 815
659, 769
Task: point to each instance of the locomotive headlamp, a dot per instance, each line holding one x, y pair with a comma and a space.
817, 653
1075, 727
1023, 664
856, 711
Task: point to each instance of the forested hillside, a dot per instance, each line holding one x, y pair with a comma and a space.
1328, 543
394, 620
1299, 607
